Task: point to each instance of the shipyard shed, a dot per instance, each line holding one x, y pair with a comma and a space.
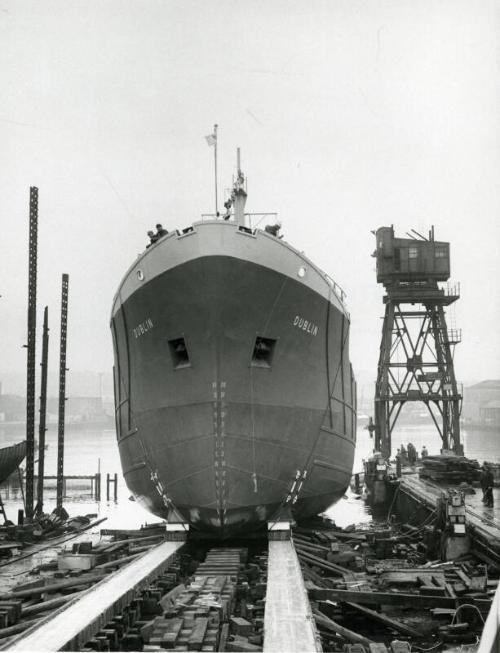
409, 259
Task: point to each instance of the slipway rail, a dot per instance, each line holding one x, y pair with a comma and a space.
288, 622
72, 626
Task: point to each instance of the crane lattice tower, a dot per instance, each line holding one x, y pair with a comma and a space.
417, 348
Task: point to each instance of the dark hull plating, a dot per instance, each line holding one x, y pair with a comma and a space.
218, 440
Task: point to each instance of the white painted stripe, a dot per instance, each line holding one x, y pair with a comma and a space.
221, 238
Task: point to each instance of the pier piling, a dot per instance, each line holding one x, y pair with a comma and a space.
111, 481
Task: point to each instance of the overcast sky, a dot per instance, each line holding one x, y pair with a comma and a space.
350, 114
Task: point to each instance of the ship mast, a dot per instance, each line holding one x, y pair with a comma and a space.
239, 195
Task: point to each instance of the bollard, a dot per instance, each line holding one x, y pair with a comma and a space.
107, 487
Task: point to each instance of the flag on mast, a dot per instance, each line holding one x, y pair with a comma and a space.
211, 139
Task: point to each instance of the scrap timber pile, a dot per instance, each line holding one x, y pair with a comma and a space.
377, 591
15, 537
451, 469
221, 608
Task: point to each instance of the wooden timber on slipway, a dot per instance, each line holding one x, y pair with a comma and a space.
74, 624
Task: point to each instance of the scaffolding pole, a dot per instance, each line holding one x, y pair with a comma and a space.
43, 412
31, 346
62, 393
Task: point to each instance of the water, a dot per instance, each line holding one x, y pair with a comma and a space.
87, 450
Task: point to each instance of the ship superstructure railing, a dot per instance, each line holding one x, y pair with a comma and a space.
255, 220
339, 291
272, 217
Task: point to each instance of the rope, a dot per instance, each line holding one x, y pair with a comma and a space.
252, 414
392, 504
252, 418
432, 648
327, 355
466, 605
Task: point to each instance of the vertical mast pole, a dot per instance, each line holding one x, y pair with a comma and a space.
215, 158
62, 392
30, 385
43, 412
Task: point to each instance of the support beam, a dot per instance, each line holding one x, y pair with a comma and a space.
31, 345
62, 392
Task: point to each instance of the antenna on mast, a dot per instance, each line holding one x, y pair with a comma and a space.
215, 156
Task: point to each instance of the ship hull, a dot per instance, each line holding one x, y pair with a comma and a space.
221, 438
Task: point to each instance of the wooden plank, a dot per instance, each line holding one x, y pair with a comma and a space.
381, 598
350, 635
17, 628
50, 604
197, 636
330, 566
169, 637
224, 634
450, 590
387, 621
54, 587
463, 576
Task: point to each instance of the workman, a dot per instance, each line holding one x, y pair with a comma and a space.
424, 453
273, 229
227, 205
152, 238
482, 480
487, 486
160, 231
412, 454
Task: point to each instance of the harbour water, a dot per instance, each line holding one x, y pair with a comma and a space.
88, 450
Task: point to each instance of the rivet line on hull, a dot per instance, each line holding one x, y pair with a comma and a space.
219, 413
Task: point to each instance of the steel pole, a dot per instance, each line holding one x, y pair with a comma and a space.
31, 345
62, 392
43, 412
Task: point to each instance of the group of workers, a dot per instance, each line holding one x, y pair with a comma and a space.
410, 453
272, 229
153, 237
486, 480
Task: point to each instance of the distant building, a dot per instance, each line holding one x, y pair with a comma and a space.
482, 404
12, 408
